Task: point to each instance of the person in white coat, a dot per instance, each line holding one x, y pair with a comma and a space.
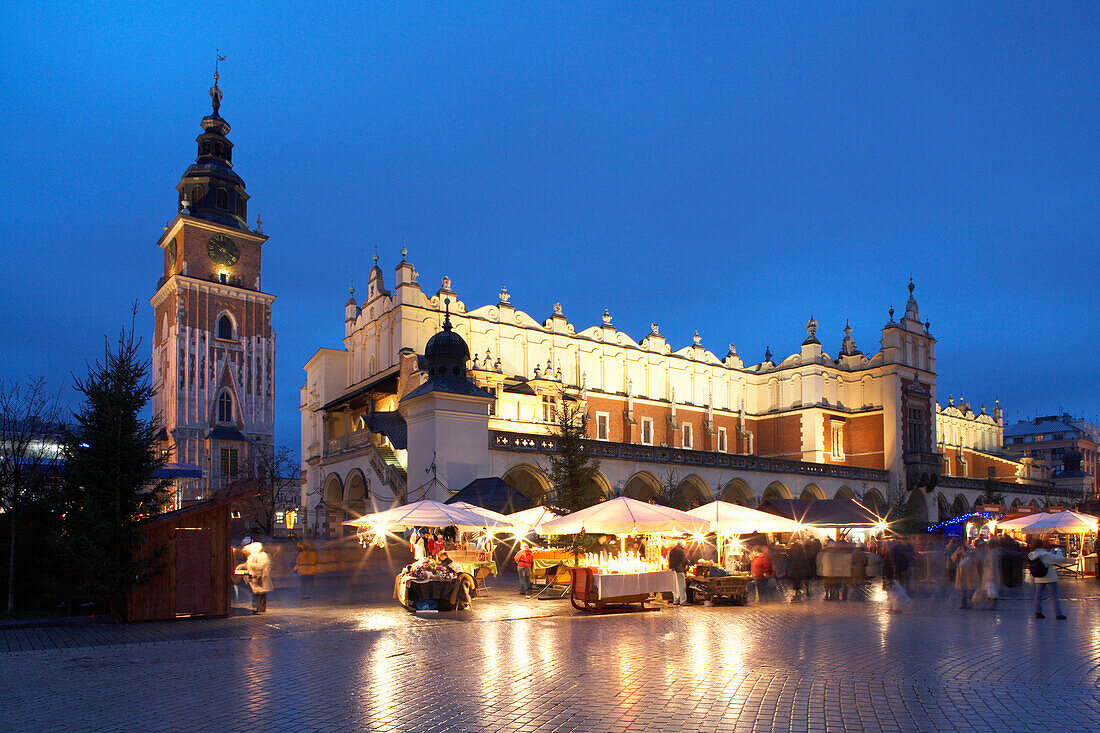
1048, 581
258, 569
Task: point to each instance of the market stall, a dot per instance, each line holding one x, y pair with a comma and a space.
729, 520
426, 584
1080, 529
602, 582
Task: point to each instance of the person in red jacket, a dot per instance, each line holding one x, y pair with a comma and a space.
762, 572
524, 560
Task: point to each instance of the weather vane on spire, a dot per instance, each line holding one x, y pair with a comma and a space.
215, 91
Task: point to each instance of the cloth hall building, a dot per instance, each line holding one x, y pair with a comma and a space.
405, 410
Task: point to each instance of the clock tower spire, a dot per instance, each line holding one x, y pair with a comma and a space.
210, 189
213, 347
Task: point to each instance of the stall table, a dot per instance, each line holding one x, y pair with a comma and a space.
598, 592
448, 593
734, 588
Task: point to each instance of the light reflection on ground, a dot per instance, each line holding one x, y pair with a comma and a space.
513, 664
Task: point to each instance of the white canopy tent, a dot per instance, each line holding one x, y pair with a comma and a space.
532, 518
496, 519
623, 516
1020, 522
1062, 522
727, 518
428, 513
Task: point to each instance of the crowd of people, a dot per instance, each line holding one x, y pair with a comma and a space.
845, 568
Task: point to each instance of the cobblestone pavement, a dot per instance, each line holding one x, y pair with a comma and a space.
513, 664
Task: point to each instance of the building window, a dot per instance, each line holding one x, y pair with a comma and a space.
222, 199
647, 431
602, 426
225, 328
225, 408
196, 195
549, 408
687, 435
229, 461
240, 208
722, 440
838, 440
493, 404
916, 443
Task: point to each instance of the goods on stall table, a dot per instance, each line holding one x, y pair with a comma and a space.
427, 585
610, 586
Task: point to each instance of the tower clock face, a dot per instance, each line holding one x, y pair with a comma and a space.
172, 252
223, 250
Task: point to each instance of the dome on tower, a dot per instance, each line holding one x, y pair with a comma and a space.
448, 344
210, 189
445, 357
447, 352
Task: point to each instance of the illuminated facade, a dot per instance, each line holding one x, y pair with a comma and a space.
213, 347
807, 425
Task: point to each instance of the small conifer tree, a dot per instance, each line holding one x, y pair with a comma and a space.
573, 468
110, 455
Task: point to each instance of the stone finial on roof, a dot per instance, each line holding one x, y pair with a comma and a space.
848, 346
911, 310
504, 295
950, 400
697, 340
653, 330
557, 309
811, 332
606, 317
767, 354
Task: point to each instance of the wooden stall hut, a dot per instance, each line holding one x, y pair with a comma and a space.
194, 556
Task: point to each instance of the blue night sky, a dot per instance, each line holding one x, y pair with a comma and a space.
728, 168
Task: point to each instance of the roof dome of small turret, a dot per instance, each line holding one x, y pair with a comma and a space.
447, 352
446, 343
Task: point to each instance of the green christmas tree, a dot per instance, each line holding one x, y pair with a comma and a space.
110, 455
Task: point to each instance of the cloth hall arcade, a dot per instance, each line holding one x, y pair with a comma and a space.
378, 428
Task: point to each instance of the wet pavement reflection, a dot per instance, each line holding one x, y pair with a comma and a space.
512, 663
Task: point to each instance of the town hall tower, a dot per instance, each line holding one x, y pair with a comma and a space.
213, 347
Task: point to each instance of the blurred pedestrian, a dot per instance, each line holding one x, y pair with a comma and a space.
258, 569
306, 567
762, 572
799, 571
967, 574
677, 563
525, 559
992, 575
1044, 566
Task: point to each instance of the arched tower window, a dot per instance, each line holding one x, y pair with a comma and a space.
218, 148
240, 207
222, 199
225, 407
225, 328
196, 195
206, 147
